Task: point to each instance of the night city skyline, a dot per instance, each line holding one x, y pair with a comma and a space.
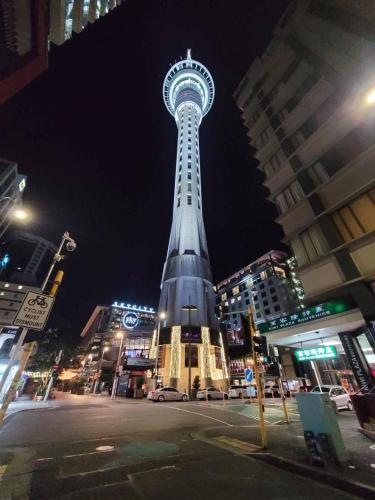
96, 145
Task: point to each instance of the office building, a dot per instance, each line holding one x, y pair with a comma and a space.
12, 185
190, 333
68, 16
309, 106
29, 258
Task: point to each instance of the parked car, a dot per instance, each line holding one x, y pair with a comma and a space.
238, 391
270, 388
337, 394
211, 393
167, 394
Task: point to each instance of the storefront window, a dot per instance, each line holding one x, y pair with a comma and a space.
194, 355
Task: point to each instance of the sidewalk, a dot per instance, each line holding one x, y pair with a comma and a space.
286, 449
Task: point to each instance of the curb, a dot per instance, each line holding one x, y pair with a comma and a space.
356, 488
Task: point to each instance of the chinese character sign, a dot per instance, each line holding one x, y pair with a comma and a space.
323, 352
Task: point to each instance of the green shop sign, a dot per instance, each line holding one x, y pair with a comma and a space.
324, 352
309, 314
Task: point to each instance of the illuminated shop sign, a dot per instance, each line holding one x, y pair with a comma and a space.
134, 307
308, 314
323, 352
130, 320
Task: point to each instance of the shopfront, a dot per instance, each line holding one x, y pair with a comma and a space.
327, 343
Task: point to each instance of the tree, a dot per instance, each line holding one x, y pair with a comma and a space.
196, 383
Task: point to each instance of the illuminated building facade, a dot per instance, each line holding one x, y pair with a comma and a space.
68, 16
103, 333
269, 287
188, 93
12, 185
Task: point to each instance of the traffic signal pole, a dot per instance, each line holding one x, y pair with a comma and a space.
262, 425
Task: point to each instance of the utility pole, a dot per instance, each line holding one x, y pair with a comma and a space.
51, 380
262, 425
117, 372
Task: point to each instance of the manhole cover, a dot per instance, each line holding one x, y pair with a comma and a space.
105, 448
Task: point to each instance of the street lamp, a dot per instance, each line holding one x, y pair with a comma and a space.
189, 308
117, 374
161, 316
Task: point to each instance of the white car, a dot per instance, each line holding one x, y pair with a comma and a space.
167, 394
239, 391
337, 394
211, 393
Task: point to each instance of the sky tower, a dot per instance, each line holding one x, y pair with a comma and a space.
188, 92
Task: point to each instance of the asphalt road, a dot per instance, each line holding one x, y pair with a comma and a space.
96, 448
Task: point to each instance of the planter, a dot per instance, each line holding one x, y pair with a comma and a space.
39, 398
138, 393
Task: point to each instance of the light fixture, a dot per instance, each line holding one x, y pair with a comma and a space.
370, 97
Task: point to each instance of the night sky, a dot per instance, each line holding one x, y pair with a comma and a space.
98, 146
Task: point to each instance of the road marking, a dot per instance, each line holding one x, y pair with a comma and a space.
236, 443
200, 414
105, 448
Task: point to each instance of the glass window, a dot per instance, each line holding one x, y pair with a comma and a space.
223, 297
357, 218
265, 302
189, 199
275, 298
272, 289
263, 294
193, 355
267, 311
277, 307
236, 290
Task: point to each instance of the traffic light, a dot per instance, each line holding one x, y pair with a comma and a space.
125, 363
273, 369
260, 345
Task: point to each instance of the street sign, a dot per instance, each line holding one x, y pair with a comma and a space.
323, 352
249, 375
34, 311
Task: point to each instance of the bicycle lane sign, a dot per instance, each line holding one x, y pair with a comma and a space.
34, 311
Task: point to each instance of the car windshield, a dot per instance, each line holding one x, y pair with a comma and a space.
322, 389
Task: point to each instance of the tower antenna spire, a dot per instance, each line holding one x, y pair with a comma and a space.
188, 55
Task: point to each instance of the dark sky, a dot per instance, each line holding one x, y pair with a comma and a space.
98, 146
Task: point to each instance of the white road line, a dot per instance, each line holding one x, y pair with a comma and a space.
200, 414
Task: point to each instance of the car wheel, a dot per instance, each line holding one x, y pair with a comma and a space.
161, 398
226, 396
350, 405
209, 396
240, 395
184, 397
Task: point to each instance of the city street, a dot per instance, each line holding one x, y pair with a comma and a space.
92, 446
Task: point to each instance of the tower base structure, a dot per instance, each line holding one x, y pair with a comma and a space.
207, 359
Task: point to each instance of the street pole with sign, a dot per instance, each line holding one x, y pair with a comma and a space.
117, 372
262, 425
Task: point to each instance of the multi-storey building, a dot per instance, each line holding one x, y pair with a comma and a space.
29, 258
68, 16
309, 105
12, 185
268, 287
128, 327
23, 44
27, 27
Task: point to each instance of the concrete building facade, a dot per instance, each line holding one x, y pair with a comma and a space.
309, 106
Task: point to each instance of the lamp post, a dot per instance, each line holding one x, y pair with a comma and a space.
161, 316
70, 246
189, 308
105, 349
117, 375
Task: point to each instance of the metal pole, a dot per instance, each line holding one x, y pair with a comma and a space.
157, 355
49, 386
55, 259
115, 381
12, 361
189, 353
262, 426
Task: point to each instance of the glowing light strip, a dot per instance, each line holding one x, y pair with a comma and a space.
134, 307
206, 351
223, 360
174, 365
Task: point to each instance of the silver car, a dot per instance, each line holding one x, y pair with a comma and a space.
167, 394
337, 394
211, 393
